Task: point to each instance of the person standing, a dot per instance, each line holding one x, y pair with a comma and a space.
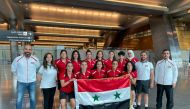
114, 71
108, 62
61, 65
25, 68
145, 79
67, 87
166, 74
130, 70
47, 74
76, 61
100, 56
131, 56
90, 62
84, 73
98, 71
121, 61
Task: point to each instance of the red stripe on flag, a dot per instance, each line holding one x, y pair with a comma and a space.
99, 85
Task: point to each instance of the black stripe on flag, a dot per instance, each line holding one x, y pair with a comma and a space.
114, 105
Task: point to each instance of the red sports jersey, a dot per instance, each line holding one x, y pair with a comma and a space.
133, 74
68, 88
90, 64
134, 60
98, 74
76, 66
108, 64
121, 65
116, 73
80, 75
61, 66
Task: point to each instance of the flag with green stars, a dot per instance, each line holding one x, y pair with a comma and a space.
110, 93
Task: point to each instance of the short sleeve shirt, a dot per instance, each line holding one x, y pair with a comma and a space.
80, 75
68, 88
143, 70
98, 74
49, 77
111, 73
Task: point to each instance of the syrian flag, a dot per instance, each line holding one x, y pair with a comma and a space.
110, 93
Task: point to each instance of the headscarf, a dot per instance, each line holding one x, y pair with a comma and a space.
132, 53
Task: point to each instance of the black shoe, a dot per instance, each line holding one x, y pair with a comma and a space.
138, 107
146, 108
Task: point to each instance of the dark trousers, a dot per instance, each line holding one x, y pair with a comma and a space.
48, 94
169, 95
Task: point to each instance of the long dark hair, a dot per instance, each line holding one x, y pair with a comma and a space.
45, 64
63, 51
98, 53
66, 69
72, 56
95, 66
114, 58
133, 65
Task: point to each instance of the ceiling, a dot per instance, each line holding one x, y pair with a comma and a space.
79, 23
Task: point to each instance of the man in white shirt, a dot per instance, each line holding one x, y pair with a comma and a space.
145, 79
166, 74
25, 68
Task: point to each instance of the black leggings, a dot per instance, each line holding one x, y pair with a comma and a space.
48, 94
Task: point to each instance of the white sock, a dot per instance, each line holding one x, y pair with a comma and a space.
134, 103
146, 105
138, 103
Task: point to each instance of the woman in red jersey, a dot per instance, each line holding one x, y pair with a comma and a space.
108, 62
121, 60
90, 62
131, 56
67, 87
130, 70
100, 56
76, 61
114, 71
98, 71
61, 65
83, 73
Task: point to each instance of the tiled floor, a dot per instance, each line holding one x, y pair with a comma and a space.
8, 86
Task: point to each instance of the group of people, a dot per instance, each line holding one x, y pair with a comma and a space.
63, 71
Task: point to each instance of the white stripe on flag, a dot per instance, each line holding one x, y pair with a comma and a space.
86, 98
76, 95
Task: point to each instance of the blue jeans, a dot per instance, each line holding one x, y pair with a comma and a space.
21, 88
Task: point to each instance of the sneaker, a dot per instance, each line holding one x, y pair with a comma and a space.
146, 108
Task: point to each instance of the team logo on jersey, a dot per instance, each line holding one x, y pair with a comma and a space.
32, 62
146, 65
169, 66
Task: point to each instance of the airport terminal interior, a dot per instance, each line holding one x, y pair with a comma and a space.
52, 25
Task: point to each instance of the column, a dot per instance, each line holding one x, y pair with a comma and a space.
164, 37
13, 45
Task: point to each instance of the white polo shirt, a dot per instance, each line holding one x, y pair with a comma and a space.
143, 70
166, 72
49, 77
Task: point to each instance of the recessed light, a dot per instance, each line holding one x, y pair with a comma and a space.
188, 11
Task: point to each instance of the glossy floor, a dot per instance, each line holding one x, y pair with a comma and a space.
8, 92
